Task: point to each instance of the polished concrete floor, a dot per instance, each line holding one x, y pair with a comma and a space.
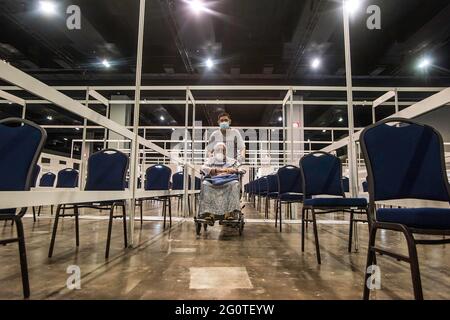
176, 264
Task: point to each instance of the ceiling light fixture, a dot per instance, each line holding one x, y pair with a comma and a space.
209, 63
424, 63
352, 6
49, 118
197, 6
162, 118
315, 63
106, 63
47, 7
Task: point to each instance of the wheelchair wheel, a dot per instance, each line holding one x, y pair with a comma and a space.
198, 227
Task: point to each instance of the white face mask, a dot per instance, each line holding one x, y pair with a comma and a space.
218, 156
224, 125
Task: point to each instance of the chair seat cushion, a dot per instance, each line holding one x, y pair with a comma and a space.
7, 211
336, 202
420, 218
272, 195
291, 196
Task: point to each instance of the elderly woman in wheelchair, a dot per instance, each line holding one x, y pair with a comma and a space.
220, 191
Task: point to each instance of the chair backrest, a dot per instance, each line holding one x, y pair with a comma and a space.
67, 178
36, 171
47, 180
346, 184
177, 181
21, 143
198, 183
289, 180
106, 170
263, 183
157, 177
272, 182
404, 160
365, 186
322, 174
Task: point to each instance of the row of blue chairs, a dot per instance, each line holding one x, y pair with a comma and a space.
65, 178
317, 184
21, 144
158, 178
404, 160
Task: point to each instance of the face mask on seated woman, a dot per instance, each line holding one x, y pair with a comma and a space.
219, 156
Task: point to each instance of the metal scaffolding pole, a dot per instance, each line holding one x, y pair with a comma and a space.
185, 166
82, 177
135, 144
351, 124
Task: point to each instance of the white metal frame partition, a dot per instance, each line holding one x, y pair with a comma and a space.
22, 81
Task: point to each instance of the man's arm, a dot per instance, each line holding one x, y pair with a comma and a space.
240, 147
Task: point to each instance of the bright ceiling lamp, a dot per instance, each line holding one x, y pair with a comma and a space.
197, 6
209, 63
352, 5
315, 63
106, 63
424, 63
47, 7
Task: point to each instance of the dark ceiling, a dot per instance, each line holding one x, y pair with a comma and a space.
251, 42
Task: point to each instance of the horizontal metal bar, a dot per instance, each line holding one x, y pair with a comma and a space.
237, 88
11, 98
429, 104
229, 102
52, 196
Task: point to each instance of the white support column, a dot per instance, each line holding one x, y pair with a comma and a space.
106, 130
291, 123
283, 111
84, 156
24, 111
396, 101
185, 166
351, 124
135, 145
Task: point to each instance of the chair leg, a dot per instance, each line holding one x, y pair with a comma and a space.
141, 204
23, 258
370, 260
34, 214
414, 263
51, 210
108, 239
306, 219
276, 212
39, 211
124, 217
164, 213
281, 225
77, 225
350, 234
266, 209
316, 237
169, 203
303, 229
189, 207
55, 228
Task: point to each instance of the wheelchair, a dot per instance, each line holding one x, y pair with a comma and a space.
237, 223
